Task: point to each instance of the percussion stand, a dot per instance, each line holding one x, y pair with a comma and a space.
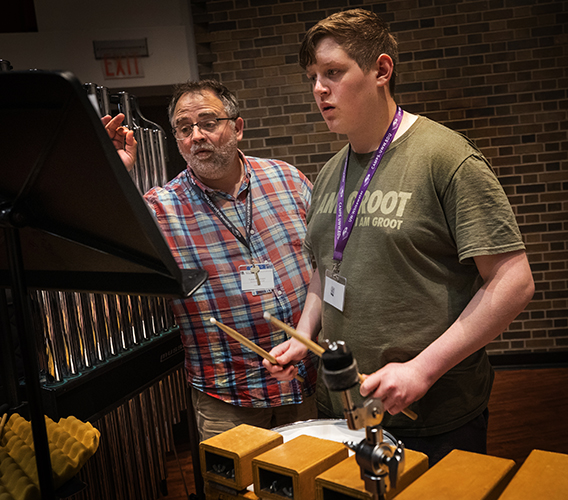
30, 363
376, 458
71, 216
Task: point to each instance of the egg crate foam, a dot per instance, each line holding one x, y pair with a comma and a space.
71, 444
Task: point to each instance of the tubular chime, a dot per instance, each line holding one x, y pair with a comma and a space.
83, 330
131, 460
79, 332
151, 165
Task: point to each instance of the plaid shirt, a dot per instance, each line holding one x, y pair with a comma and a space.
215, 363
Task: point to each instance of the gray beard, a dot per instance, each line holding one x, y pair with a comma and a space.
218, 165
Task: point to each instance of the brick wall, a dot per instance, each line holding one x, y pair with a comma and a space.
494, 70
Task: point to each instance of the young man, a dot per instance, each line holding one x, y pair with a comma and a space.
243, 220
420, 262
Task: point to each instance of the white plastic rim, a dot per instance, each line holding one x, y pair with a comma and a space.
331, 429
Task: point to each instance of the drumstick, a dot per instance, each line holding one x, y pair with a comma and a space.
251, 345
310, 344
409, 413
319, 350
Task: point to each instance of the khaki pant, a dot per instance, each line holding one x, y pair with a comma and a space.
214, 416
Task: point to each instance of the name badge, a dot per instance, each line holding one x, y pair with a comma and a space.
257, 278
334, 289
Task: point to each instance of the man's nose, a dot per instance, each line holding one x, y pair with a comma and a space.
319, 87
198, 135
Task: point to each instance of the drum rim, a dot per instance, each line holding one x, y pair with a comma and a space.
333, 421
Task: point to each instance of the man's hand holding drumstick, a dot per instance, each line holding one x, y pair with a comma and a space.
251, 345
286, 354
312, 346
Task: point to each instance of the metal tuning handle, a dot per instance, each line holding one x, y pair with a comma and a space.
377, 460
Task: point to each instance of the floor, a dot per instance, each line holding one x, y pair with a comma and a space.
527, 410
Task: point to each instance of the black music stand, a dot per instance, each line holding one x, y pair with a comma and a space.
72, 218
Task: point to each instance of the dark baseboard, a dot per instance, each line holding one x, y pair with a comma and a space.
529, 360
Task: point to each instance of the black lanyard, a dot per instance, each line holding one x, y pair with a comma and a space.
223, 218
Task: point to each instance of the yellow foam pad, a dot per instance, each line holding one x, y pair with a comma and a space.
71, 444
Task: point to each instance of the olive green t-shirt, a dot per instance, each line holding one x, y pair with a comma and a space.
433, 204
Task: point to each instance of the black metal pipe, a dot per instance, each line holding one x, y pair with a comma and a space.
30, 364
9, 369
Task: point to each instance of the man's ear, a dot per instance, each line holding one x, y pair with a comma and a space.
384, 68
239, 127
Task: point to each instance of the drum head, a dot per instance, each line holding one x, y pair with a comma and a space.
332, 429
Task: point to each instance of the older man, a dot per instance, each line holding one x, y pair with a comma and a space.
243, 219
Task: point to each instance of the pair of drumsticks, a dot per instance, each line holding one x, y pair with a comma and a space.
310, 344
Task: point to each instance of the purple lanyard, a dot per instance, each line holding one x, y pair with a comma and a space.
342, 232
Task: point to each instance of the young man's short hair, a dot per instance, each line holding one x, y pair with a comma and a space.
362, 34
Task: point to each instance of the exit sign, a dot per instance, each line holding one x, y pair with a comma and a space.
122, 67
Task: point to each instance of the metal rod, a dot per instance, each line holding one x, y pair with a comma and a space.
31, 371
9, 368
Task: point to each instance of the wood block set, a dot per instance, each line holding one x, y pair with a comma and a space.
256, 464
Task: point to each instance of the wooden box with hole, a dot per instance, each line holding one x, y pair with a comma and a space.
289, 470
226, 458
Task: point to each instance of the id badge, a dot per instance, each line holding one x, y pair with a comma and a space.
257, 278
334, 290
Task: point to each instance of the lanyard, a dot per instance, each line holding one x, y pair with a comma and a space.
223, 218
343, 231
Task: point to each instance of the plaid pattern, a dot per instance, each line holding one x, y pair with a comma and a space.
215, 363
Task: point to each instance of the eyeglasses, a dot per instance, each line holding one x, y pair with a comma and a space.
210, 125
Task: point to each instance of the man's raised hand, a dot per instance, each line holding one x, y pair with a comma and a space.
122, 138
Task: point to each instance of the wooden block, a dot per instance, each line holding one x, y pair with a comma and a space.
293, 467
544, 474
345, 478
233, 451
462, 475
215, 491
